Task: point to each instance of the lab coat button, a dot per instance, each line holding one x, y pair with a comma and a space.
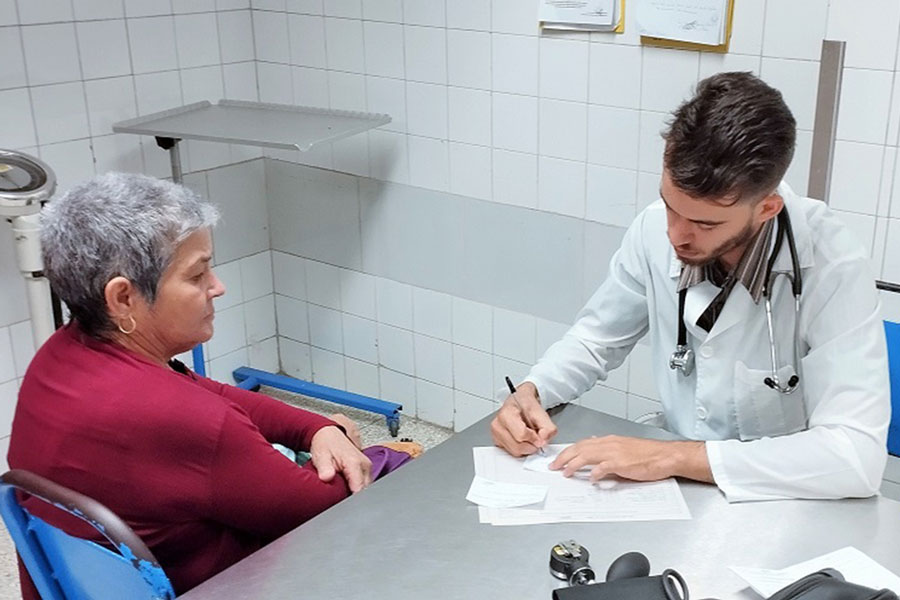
702, 413
706, 351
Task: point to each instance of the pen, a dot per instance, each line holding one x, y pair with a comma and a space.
528, 423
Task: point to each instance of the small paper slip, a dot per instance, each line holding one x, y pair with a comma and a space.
853, 564
496, 494
540, 463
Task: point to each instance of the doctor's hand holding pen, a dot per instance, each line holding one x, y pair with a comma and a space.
522, 426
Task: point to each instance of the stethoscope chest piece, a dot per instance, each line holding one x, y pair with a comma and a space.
683, 359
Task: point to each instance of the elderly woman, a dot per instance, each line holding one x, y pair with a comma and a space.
104, 409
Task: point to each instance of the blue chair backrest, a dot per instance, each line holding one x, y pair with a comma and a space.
892, 332
64, 567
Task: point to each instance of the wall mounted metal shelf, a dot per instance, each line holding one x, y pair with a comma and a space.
253, 123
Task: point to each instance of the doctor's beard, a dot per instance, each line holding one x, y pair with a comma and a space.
740, 239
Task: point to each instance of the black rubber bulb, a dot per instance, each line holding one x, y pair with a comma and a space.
631, 564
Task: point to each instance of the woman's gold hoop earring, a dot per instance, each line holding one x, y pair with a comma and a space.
130, 330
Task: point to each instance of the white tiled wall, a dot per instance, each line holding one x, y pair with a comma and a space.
486, 107
442, 357
72, 68
566, 126
556, 136
436, 317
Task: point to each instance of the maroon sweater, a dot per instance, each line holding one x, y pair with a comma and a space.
185, 461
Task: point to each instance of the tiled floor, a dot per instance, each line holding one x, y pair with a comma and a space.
9, 572
372, 427
372, 430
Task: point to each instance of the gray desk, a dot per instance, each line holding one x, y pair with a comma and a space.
413, 536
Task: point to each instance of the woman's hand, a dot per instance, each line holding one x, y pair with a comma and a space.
635, 458
349, 427
333, 452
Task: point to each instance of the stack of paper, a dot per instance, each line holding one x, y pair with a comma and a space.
517, 491
853, 564
702, 22
580, 15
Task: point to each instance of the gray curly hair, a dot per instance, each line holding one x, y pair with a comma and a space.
116, 224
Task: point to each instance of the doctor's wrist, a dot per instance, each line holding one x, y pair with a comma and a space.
691, 461
526, 389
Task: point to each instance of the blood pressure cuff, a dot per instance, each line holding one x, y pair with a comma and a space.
829, 584
635, 588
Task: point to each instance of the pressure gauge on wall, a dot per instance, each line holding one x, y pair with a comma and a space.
26, 183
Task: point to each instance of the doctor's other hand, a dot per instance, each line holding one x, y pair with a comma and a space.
635, 458
332, 452
510, 428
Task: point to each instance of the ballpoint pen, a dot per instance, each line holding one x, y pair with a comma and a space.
528, 423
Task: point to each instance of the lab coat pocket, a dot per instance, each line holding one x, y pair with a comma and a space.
762, 411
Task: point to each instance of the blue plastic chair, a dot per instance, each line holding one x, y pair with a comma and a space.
64, 567
892, 331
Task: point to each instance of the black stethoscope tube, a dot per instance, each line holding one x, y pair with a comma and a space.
784, 231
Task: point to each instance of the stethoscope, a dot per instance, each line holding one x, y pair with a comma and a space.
683, 357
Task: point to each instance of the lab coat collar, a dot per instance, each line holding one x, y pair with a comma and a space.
736, 309
794, 205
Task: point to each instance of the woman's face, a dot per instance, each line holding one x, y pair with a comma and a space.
182, 315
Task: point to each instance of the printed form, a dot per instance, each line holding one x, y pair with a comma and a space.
573, 499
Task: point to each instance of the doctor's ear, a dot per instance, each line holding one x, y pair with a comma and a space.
769, 207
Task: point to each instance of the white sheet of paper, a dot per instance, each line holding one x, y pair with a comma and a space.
854, 565
698, 21
575, 499
496, 494
578, 13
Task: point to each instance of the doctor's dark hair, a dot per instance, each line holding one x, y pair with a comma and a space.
111, 225
733, 140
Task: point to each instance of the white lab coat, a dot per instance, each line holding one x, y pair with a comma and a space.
827, 439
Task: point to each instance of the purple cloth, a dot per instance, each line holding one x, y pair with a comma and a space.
384, 460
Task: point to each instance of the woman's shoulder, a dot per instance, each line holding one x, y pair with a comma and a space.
105, 379
93, 403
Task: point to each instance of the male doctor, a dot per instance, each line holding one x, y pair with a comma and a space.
814, 425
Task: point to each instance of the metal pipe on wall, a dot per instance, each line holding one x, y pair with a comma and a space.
828, 99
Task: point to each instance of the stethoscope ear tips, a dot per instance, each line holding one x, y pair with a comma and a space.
789, 388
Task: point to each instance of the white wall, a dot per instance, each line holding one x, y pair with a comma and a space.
69, 70
486, 108
422, 297
554, 135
